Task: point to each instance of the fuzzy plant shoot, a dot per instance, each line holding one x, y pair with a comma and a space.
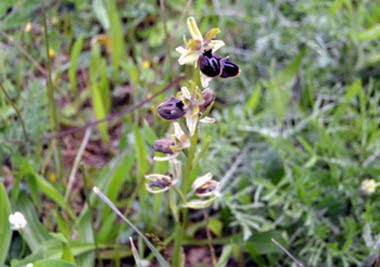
187, 110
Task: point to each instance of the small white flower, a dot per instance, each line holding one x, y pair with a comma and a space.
29, 265
17, 221
368, 186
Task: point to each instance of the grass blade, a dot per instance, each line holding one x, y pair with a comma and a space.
156, 253
75, 53
5, 229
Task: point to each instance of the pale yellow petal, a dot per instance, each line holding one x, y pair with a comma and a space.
189, 58
201, 180
191, 122
193, 29
207, 120
216, 45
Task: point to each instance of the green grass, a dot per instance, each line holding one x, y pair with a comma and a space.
296, 133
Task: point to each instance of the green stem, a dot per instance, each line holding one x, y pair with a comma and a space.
189, 162
185, 189
53, 114
181, 195
180, 226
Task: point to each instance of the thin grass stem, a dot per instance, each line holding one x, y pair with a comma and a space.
53, 114
77, 160
297, 262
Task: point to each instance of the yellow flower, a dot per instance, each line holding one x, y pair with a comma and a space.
198, 44
28, 27
51, 52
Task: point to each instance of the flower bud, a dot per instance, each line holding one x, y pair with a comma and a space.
164, 146
205, 186
208, 97
171, 109
159, 183
209, 64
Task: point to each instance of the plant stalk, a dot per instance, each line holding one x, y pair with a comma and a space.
181, 226
53, 114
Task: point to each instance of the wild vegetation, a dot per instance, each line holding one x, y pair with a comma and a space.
294, 151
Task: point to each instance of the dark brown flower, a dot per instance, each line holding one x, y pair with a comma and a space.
213, 65
163, 146
171, 109
210, 64
230, 69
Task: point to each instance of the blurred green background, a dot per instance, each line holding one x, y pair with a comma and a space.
296, 133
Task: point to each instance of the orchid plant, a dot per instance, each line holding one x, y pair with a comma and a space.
187, 110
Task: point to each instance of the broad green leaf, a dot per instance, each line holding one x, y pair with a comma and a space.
34, 232
254, 99
5, 228
75, 53
49, 190
117, 36
53, 263
216, 226
97, 72
353, 90
223, 259
142, 168
86, 235
100, 11
372, 33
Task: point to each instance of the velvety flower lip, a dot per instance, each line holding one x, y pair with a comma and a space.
210, 64
171, 109
164, 145
230, 70
213, 65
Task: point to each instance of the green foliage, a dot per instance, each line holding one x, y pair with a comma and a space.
5, 231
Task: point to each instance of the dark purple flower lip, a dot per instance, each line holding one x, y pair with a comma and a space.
171, 109
210, 64
230, 69
164, 145
213, 65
